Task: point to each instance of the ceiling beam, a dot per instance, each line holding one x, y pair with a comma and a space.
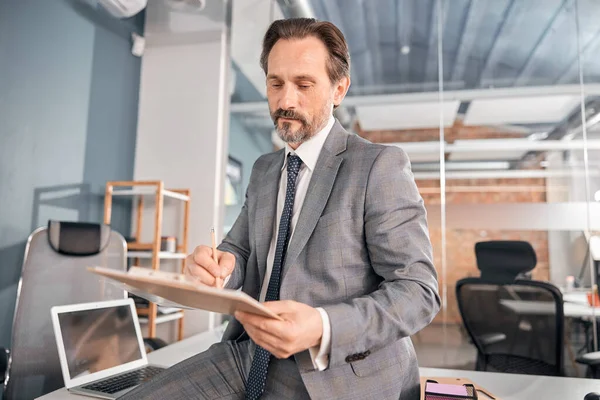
527, 69
296, 8
359, 39
592, 46
508, 174
449, 95
404, 18
432, 61
469, 36
492, 56
495, 145
371, 32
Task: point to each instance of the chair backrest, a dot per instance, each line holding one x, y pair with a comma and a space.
503, 261
517, 327
54, 273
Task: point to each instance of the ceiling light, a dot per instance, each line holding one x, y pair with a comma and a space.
597, 196
405, 49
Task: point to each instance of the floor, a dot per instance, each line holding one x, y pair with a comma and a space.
455, 352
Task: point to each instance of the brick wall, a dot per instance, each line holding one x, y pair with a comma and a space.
452, 133
460, 243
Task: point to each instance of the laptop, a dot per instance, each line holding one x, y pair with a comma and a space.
101, 349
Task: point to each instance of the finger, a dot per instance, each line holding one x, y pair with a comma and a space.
226, 262
249, 318
272, 344
203, 257
265, 324
199, 273
190, 266
282, 306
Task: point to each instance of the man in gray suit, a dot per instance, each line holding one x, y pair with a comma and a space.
332, 235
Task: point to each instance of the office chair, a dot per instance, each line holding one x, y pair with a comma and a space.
505, 260
592, 361
515, 324
54, 273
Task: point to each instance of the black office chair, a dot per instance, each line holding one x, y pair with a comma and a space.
505, 260
592, 361
516, 324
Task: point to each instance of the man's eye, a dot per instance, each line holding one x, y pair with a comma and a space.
304, 86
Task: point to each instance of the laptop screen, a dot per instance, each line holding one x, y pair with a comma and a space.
97, 339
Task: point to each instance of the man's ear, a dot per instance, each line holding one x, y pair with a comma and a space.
340, 90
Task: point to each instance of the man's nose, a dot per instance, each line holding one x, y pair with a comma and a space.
289, 98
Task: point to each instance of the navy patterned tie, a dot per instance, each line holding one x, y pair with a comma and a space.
257, 377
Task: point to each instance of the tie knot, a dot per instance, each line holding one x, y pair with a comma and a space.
294, 163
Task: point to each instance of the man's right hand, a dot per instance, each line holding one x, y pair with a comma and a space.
200, 265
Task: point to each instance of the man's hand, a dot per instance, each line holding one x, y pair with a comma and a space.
201, 266
301, 328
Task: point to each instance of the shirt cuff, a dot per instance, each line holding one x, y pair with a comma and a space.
320, 354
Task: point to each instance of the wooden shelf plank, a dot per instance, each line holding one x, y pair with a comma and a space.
163, 318
139, 246
162, 255
142, 191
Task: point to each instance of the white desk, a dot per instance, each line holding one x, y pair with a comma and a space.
165, 357
523, 387
576, 298
506, 386
532, 307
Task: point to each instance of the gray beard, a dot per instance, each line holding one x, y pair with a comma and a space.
301, 135
288, 136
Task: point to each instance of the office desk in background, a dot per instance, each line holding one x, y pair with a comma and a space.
534, 307
506, 386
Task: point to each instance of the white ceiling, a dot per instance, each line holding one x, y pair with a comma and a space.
406, 116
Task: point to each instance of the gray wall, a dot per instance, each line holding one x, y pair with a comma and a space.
246, 147
68, 114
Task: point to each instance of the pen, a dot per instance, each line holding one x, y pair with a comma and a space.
214, 253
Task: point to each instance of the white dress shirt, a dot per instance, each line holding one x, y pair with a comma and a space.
309, 154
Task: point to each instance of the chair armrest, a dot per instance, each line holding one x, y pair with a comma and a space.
4, 365
491, 338
590, 358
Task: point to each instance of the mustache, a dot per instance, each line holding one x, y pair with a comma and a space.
290, 114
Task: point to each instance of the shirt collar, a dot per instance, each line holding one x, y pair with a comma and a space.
309, 151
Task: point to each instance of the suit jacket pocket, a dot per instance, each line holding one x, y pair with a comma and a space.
339, 215
378, 361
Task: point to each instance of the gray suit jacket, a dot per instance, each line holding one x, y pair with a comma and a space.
361, 251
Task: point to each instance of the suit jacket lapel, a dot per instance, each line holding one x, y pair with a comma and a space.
319, 189
266, 212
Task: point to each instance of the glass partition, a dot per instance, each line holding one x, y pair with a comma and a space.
497, 103
515, 156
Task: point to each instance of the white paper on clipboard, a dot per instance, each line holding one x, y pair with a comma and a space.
176, 290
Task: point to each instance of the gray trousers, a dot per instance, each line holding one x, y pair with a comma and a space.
221, 373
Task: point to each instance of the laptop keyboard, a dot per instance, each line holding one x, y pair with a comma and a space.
125, 381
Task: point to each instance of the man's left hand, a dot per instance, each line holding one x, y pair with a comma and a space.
301, 328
